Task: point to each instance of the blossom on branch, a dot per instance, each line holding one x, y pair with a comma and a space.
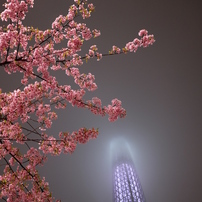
27, 112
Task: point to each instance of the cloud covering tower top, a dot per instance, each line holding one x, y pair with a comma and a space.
126, 184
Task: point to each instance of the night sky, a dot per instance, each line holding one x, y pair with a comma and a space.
159, 86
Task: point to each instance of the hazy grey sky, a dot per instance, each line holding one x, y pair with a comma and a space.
160, 87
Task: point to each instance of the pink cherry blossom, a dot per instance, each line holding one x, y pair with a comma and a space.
27, 113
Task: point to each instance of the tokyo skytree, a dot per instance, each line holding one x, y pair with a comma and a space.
126, 184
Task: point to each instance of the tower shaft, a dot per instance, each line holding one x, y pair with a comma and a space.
127, 187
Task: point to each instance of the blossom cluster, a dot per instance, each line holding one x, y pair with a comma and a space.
27, 112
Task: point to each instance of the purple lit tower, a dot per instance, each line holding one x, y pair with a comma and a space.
126, 184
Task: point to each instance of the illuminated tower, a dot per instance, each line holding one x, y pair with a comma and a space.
126, 184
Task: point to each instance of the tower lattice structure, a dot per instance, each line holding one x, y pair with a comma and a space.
126, 183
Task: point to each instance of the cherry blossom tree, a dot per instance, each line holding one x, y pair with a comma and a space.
27, 112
